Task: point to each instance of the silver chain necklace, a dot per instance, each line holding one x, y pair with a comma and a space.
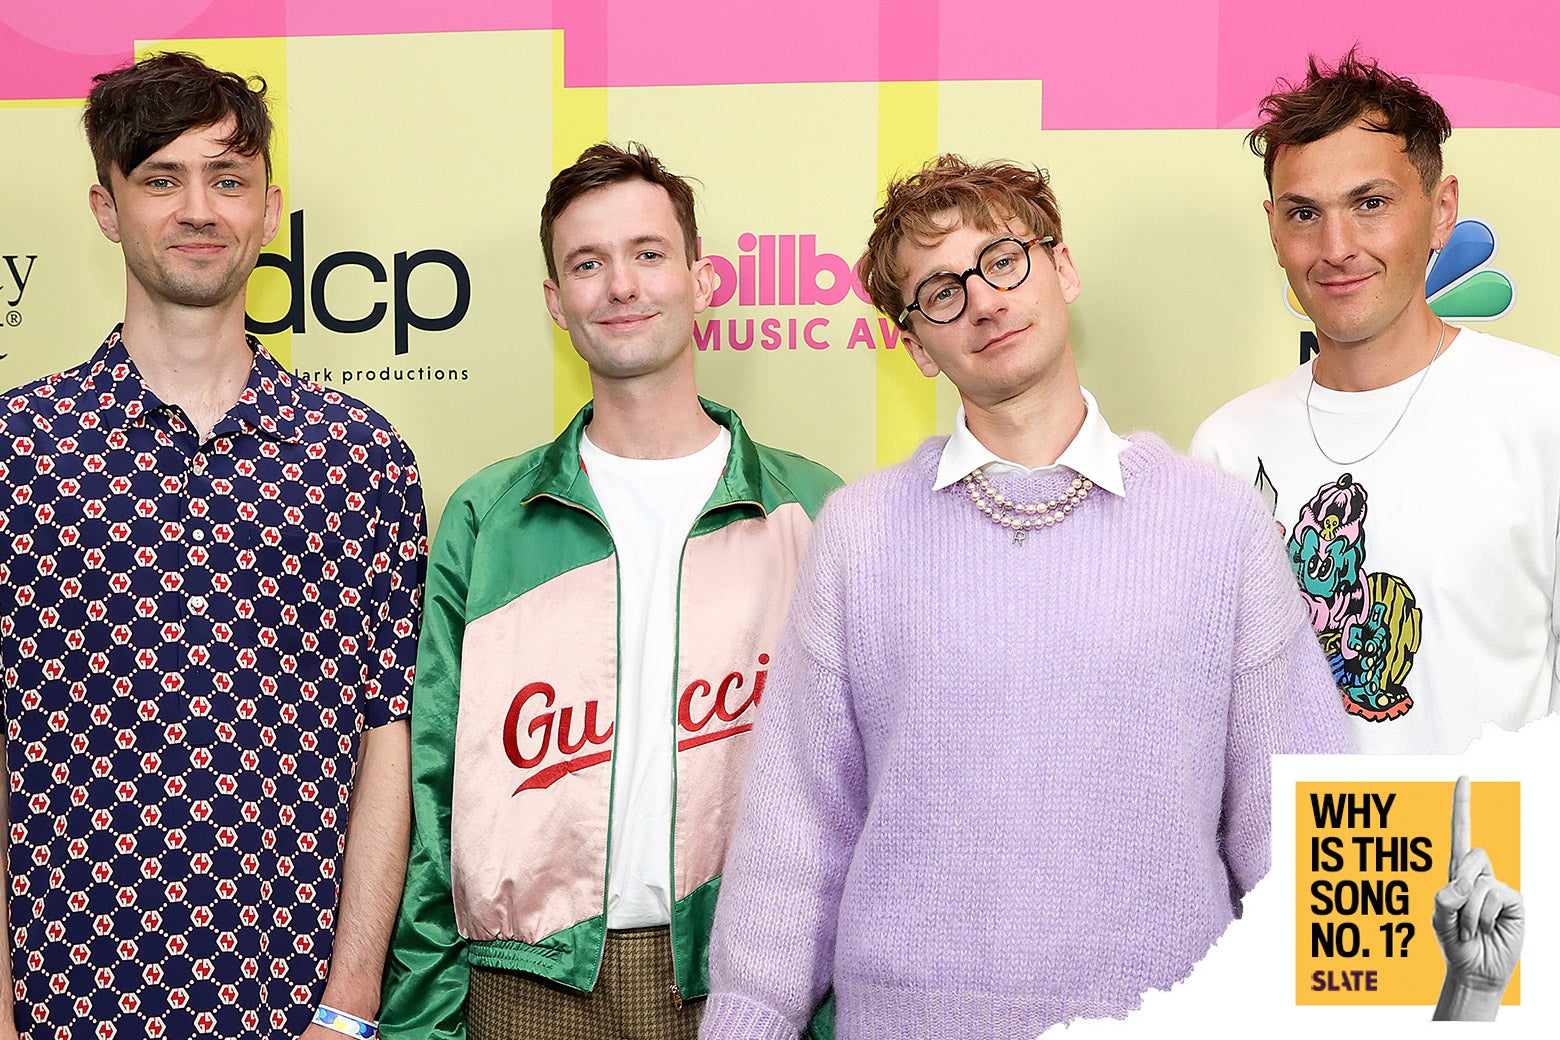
1311, 423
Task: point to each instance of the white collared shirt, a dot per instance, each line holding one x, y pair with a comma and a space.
1095, 453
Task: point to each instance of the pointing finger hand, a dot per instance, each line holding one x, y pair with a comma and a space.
1462, 825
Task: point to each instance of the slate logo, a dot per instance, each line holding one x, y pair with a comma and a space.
1457, 283
15, 272
403, 318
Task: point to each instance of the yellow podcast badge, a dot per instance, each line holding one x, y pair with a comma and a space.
1370, 858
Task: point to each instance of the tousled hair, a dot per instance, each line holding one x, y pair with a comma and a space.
604, 164
987, 196
137, 110
1331, 99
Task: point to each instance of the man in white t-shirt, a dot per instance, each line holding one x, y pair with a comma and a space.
1413, 466
601, 617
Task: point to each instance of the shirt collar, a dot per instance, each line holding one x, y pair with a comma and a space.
267, 405
1095, 453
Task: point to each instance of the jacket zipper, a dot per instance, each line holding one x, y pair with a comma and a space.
617, 695
676, 983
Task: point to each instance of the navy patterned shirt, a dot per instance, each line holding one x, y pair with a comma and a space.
193, 637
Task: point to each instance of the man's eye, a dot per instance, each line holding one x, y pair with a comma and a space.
159, 183
946, 293
1372, 204
229, 184
1302, 214
586, 266
651, 254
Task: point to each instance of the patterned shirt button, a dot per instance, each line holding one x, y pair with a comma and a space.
197, 604
200, 464
198, 535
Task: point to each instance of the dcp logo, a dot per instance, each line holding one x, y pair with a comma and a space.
403, 317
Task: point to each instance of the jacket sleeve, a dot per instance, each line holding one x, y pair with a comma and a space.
803, 804
427, 976
1282, 699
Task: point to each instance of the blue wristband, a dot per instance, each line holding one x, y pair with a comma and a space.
347, 1025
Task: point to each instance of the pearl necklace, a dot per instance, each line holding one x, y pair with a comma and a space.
1023, 517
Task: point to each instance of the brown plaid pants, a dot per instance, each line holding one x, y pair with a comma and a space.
632, 999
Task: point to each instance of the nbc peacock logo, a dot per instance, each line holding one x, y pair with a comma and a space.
1458, 283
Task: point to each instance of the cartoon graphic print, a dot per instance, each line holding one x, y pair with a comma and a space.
1327, 552
1368, 623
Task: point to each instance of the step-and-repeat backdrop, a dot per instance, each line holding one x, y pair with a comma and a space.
417, 142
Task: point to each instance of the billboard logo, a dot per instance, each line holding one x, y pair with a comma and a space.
787, 271
1457, 283
403, 317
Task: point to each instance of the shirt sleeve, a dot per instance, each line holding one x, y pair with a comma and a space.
1554, 626
1282, 700
426, 975
803, 804
1205, 443
400, 552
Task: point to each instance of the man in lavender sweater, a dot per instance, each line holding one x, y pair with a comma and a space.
1012, 766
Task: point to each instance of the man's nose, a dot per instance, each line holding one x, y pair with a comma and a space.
625, 282
982, 299
1340, 242
195, 207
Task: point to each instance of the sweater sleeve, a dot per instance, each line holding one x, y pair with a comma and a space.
803, 803
426, 976
1282, 700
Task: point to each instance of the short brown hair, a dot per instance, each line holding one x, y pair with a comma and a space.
603, 164
134, 111
1332, 99
985, 196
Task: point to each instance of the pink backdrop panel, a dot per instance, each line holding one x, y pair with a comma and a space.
53, 50
1107, 64
1489, 64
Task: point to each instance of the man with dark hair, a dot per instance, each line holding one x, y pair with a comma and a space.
1441, 443
209, 587
1012, 766
602, 615
124, 129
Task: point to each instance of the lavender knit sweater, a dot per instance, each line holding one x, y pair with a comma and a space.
999, 786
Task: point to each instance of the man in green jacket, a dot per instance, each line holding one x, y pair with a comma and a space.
599, 620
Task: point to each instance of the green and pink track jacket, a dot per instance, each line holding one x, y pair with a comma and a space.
514, 707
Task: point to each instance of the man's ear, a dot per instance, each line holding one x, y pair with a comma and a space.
550, 295
1066, 273
103, 209
918, 354
1444, 204
703, 284
273, 212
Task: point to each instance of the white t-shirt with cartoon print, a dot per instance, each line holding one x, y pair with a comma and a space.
1429, 564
